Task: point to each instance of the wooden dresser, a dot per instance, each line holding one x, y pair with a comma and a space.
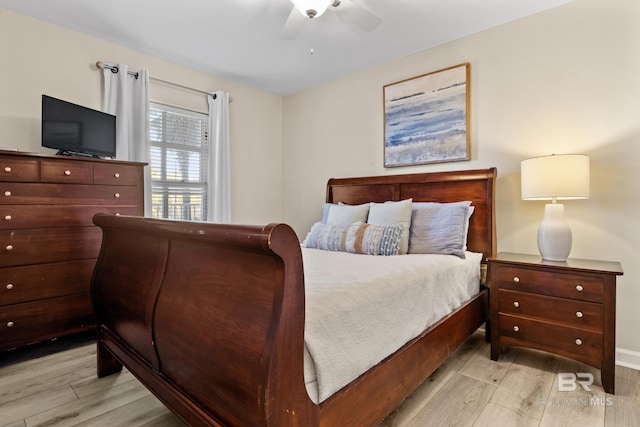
567, 308
48, 243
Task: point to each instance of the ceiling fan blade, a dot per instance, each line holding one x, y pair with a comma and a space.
353, 14
293, 25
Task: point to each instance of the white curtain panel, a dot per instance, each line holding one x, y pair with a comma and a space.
127, 96
219, 188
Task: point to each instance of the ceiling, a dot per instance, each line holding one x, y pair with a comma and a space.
242, 40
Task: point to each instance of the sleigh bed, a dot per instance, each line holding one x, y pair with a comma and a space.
211, 317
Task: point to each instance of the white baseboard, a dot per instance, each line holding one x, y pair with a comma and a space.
628, 358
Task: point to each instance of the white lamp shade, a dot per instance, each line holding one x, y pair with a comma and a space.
317, 6
564, 176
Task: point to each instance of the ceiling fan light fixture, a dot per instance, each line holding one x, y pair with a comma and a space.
311, 8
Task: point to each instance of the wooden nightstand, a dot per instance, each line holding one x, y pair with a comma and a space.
567, 308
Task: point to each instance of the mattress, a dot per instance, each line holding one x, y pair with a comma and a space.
359, 309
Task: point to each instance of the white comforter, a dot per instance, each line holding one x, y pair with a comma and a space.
362, 308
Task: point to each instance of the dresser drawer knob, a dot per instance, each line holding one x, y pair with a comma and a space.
117, 175
579, 314
579, 288
67, 172
7, 217
9, 247
578, 341
9, 324
9, 286
516, 328
7, 168
7, 193
117, 195
117, 214
516, 304
516, 279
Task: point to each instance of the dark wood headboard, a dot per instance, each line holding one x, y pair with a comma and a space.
478, 186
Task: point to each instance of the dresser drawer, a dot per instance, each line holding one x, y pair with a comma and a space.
21, 324
71, 172
44, 245
559, 284
14, 217
563, 339
116, 174
69, 194
22, 170
576, 313
35, 282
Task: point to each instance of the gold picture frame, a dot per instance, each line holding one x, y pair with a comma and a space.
426, 118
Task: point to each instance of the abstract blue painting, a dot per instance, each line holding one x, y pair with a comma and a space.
426, 118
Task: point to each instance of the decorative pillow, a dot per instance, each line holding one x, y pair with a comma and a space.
439, 228
329, 237
347, 214
390, 213
356, 238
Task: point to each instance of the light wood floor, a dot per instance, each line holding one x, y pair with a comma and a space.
55, 385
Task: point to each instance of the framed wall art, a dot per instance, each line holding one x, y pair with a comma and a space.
426, 118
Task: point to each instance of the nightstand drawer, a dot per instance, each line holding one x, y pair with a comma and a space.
558, 284
576, 313
546, 335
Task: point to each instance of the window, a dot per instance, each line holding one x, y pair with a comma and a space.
179, 163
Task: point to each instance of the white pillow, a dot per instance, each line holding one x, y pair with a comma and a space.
390, 213
439, 228
347, 214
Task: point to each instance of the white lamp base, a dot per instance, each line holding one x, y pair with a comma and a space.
554, 234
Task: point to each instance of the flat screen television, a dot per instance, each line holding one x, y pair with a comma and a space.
76, 130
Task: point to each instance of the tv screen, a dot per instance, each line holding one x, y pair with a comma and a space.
76, 130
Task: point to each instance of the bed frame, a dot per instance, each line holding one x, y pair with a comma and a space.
210, 317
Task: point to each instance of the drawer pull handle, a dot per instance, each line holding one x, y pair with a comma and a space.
7, 217
579, 288
578, 341
516, 279
516, 328
9, 247
117, 175
117, 213
579, 314
10, 286
9, 324
7, 193
117, 195
7, 168
516, 304
67, 172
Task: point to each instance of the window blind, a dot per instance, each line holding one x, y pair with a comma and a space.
179, 163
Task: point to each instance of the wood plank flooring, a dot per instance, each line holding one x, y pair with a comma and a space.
55, 385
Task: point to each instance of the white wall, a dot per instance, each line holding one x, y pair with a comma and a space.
39, 58
562, 81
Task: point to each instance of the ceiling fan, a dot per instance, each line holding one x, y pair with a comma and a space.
347, 11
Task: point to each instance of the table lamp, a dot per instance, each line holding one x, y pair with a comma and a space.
555, 177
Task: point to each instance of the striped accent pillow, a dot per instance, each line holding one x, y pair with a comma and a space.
357, 238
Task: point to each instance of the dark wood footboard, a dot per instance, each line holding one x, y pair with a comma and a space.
209, 317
